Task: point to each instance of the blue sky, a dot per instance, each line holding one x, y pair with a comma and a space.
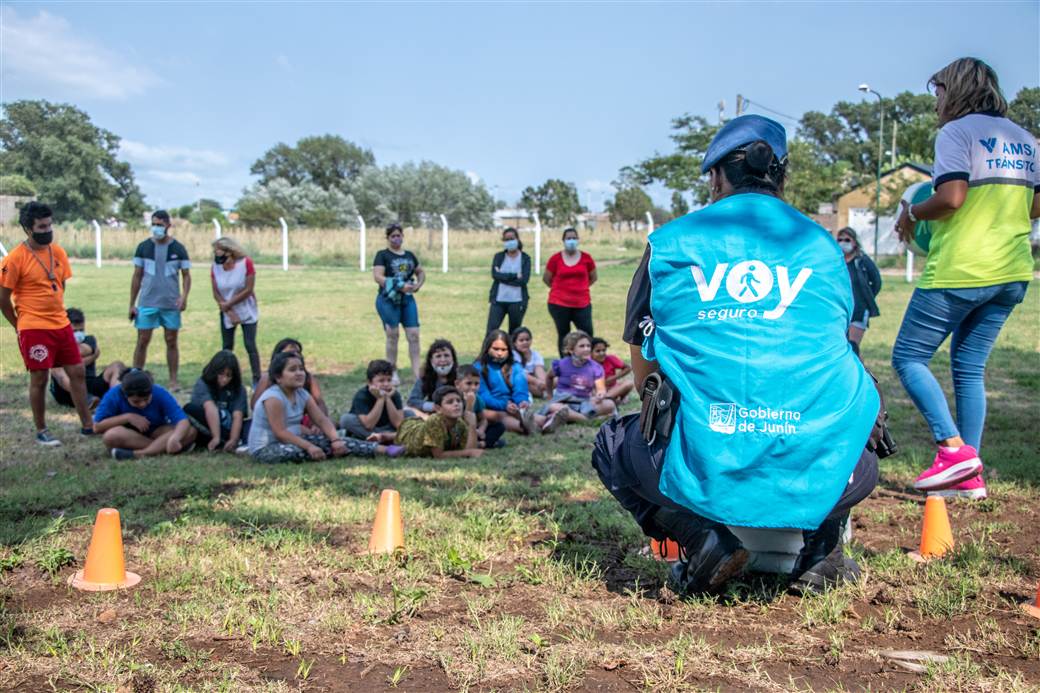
512, 93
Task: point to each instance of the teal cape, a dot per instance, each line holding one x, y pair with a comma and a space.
751, 301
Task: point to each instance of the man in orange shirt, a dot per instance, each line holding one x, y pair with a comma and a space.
34, 274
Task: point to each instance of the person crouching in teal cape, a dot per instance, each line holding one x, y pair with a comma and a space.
743, 307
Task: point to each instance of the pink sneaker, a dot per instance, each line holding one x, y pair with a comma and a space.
974, 488
949, 469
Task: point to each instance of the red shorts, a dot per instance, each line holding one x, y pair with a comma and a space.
46, 349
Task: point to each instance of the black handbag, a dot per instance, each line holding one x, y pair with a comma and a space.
660, 404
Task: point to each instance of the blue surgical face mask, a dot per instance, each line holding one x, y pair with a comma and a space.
80, 335
158, 230
511, 244
571, 244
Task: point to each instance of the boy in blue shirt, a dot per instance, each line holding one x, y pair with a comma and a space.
140, 419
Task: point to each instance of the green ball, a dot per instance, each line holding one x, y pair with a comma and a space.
922, 239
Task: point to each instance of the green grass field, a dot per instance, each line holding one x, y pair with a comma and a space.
520, 571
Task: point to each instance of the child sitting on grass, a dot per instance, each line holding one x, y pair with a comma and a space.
377, 410
451, 431
218, 408
614, 369
292, 346
489, 433
438, 370
578, 385
503, 386
140, 419
531, 360
97, 385
276, 434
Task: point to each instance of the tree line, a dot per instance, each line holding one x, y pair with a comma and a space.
55, 152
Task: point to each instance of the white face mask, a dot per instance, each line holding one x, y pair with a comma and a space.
80, 335
846, 246
445, 369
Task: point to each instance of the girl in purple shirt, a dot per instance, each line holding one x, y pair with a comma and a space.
578, 384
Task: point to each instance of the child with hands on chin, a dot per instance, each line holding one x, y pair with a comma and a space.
489, 433
276, 434
141, 419
377, 410
450, 432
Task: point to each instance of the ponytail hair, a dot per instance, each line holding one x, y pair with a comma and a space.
754, 167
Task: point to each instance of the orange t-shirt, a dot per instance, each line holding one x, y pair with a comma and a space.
39, 301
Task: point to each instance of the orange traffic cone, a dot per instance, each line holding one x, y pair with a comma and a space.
388, 529
1034, 608
936, 535
104, 569
667, 550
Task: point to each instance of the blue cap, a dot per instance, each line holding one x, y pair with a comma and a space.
744, 130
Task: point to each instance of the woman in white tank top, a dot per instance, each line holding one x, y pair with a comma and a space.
234, 280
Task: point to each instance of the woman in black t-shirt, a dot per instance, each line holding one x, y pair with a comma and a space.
399, 276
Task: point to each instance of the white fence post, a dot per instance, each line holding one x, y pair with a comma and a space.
537, 243
216, 228
444, 244
361, 245
649, 223
97, 242
285, 244
909, 266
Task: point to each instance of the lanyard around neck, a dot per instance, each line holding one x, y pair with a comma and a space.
50, 272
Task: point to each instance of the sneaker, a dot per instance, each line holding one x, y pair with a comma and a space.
950, 468
974, 488
86, 431
527, 419
552, 423
122, 454
242, 450
394, 450
45, 439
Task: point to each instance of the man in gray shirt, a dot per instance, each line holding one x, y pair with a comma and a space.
156, 296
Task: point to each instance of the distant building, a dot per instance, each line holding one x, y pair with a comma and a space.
9, 205
516, 217
856, 207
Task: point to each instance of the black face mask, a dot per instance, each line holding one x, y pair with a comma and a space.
220, 259
43, 237
498, 361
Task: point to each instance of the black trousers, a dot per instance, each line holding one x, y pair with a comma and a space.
563, 316
227, 335
497, 311
631, 471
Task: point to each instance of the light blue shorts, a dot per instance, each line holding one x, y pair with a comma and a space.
150, 318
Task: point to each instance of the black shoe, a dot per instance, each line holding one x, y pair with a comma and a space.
821, 564
711, 554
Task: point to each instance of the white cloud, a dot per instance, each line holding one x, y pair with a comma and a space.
473, 177
282, 61
46, 48
170, 156
177, 177
597, 186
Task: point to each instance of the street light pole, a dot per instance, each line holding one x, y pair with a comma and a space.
865, 88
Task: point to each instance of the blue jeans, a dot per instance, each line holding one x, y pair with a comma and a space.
393, 314
974, 317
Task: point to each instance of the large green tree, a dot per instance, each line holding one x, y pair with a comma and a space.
328, 161
630, 204
1024, 109
415, 194
71, 162
555, 200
